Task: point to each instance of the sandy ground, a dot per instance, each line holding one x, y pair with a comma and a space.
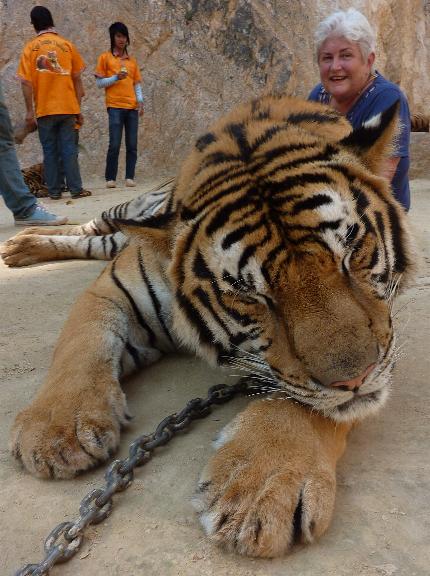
381, 525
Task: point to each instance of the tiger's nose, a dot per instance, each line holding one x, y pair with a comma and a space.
356, 382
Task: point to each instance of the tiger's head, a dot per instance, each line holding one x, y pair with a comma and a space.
289, 250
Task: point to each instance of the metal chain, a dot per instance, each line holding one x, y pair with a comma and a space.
66, 538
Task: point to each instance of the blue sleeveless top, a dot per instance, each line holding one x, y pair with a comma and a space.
375, 99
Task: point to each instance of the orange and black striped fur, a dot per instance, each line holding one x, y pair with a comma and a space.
34, 178
278, 251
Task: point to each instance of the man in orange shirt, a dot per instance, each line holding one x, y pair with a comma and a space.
119, 74
50, 72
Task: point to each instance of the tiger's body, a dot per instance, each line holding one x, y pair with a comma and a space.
279, 249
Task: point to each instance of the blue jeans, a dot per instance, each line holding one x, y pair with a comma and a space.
120, 118
63, 184
16, 195
57, 136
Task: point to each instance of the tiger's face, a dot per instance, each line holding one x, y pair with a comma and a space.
286, 262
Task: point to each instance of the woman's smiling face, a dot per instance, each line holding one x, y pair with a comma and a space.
343, 70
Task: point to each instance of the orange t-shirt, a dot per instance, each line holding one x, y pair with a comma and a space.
121, 94
49, 63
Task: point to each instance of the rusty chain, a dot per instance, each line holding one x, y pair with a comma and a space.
65, 539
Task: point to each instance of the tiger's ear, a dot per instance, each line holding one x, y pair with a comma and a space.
375, 141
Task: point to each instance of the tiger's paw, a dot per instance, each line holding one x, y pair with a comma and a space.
255, 502
60, 437
26, 249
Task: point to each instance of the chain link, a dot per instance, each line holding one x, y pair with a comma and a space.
65, 539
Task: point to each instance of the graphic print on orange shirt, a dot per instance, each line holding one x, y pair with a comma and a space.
49, 63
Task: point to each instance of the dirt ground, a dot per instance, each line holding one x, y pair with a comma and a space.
381, 525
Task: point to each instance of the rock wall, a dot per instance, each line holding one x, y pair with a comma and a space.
201, 57
420, 155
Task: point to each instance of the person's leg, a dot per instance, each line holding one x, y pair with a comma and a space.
63, 183
131, 125
16, 195
69, 153
116, 123
48, 127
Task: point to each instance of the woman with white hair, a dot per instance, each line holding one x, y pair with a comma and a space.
345, 45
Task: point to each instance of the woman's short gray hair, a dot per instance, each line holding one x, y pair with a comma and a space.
350, 24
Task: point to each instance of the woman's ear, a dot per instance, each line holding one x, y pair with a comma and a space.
375, 140
371, 60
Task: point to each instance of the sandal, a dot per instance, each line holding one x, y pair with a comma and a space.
82, 194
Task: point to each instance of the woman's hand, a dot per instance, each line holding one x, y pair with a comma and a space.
140, 108
122, 74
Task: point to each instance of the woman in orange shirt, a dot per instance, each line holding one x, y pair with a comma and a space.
118, 73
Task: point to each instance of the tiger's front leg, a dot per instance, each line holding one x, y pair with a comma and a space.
75, 420
99, 239
28, 249
272, 480
95, 239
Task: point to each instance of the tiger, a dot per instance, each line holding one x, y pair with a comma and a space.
419, 123
279, 249
34, 179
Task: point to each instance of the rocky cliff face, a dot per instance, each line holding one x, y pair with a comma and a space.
201, 57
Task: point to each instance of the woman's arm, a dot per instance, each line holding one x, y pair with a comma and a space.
139, 97
106, 82
390, 168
